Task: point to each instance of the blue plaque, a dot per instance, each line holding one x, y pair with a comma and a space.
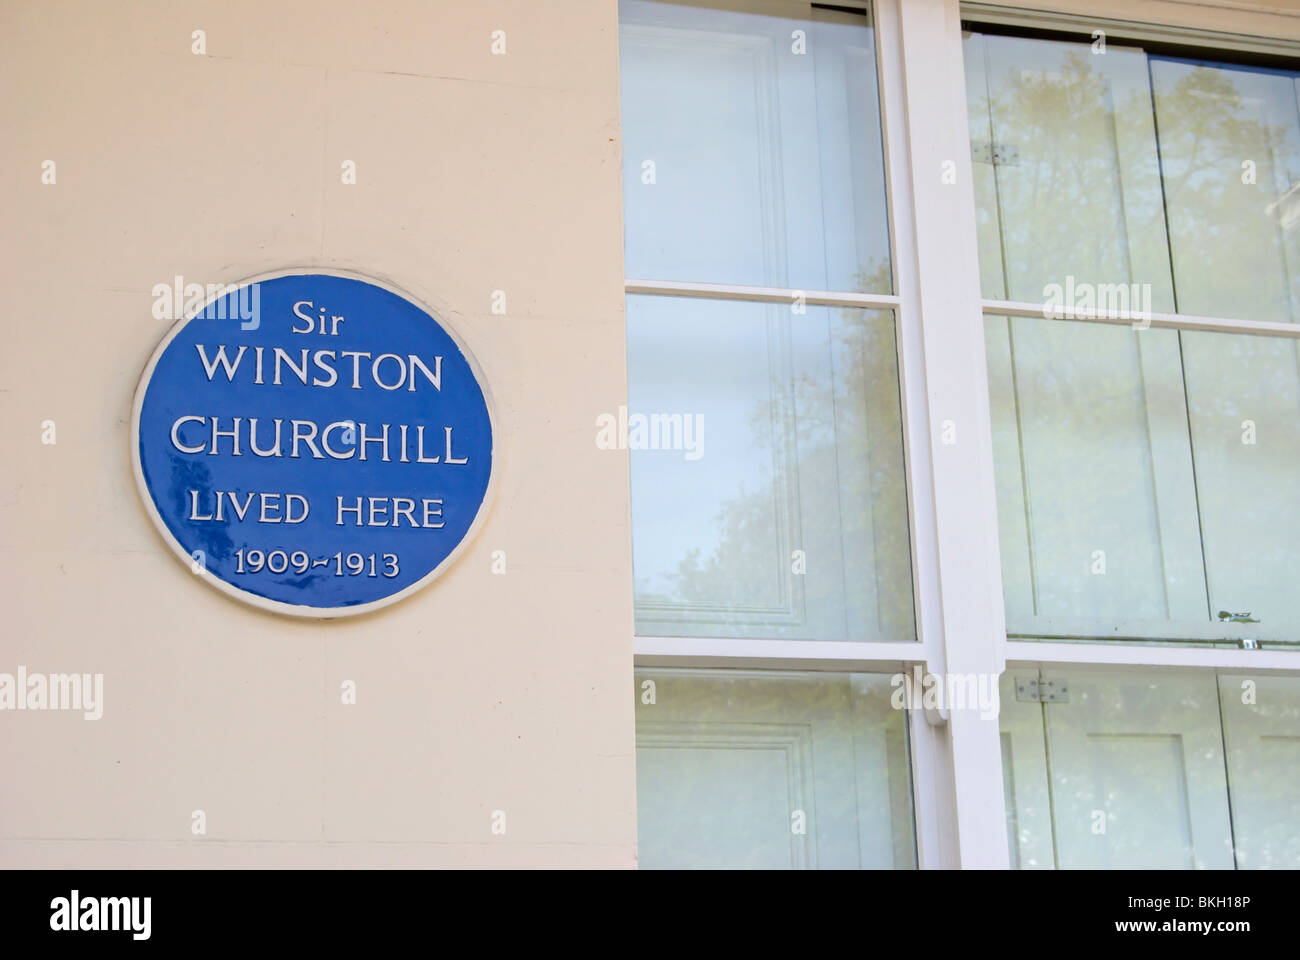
313, 443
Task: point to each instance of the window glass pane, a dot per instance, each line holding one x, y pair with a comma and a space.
1129, 768
1096, 503
765, 770
785, 515
1136, 770
1230, 149
1067, 173
1261, 728
1244, 400
1103, 170
1144, 476
1116, 513
1230, 155
752, 145
1025, 776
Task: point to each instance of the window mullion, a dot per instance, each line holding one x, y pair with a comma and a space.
961, 618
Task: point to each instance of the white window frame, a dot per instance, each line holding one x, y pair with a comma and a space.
939, 317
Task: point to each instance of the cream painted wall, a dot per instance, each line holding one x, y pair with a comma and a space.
475, 173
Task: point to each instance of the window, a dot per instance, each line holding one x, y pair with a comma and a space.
1169, 769
788, 518
753, 152
964, 353
753, 162
1137, 498
764, 769
1146, 477
753, 173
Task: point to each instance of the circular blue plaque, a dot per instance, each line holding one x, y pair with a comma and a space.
312, 443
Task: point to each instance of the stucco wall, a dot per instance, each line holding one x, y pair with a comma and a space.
475, 172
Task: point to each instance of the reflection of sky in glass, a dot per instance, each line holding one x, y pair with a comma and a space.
767, 163
766, 168
711, 359
802, 451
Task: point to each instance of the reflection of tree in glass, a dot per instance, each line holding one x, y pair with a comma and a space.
1230, 257
1085, 197
843, 435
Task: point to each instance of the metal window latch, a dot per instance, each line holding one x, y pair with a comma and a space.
1226, 617
997, 154
1246, 643
1033, 690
